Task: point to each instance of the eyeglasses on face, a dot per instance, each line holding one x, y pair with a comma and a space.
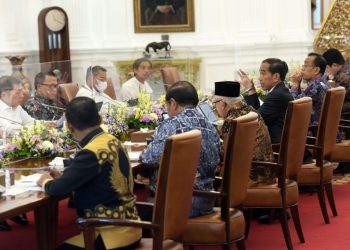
51, 86
307, 66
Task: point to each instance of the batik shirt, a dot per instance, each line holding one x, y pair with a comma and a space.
187, 120
36, 108
262, 149
316, 89
342, 78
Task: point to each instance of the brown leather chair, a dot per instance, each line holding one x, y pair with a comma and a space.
320, 173
110, 89
284, 194
173, 197
170, 76
66, 92
226, 224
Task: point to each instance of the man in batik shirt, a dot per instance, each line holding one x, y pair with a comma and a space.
43, 105
181, 101
312, 72
229, 105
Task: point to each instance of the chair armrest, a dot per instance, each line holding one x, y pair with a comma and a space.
208, 193
312, 146
93, 222
144, 206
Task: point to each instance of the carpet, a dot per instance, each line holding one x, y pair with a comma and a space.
317, 234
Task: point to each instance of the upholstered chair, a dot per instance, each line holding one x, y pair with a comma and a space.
226, 224
173, 196
170, 76
319, 174
66, 92
284, 194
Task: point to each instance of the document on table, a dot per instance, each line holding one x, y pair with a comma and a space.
26, 183
134, 155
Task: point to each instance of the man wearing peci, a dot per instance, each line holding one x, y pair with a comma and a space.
272, 75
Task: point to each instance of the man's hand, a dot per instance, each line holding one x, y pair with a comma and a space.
55, 173
246, 82
51, 124
296, 78
43, 179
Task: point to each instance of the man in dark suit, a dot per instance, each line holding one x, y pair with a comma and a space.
272, 74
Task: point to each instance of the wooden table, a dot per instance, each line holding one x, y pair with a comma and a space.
45, 212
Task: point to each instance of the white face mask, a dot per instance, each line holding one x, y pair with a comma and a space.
101, 86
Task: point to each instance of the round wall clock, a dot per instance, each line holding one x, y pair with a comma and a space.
55, 20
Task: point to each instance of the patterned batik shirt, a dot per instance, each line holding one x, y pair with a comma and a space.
36, 108
187, 120
316, 89
262, 149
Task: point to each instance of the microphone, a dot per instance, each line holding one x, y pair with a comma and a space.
11, 120
51, 106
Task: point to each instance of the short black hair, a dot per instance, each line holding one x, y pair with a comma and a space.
137, 62
277, 66
183, 92
82, 113
333, 56
40, 77
7, 83
319, 61
93, 71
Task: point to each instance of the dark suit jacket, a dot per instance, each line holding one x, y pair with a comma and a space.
273, 109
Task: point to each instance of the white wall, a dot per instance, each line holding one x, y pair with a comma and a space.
229, 34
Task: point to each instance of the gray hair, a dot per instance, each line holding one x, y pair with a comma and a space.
229, 100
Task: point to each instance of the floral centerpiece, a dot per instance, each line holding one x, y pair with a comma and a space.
147, 114
36, 141
114, 121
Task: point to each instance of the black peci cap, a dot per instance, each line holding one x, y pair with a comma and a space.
227, 88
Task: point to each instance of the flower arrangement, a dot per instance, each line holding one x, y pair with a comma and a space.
114, 122
146, 114
36, 140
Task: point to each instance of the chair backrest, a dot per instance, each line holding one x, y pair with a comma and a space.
239, 147
110, 89
67, 91
329, 119
175, 185
170, 76
296, 124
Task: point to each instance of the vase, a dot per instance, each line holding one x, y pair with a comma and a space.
17, 71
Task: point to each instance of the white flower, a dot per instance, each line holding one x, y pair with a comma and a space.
47, 145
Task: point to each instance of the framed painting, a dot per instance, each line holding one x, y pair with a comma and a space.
163, 15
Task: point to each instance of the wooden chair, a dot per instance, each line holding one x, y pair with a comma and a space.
226, 224
173, 197
66, 92
170, 76
284, 194
320, 173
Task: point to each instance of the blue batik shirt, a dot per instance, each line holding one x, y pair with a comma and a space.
187, 120
316, 89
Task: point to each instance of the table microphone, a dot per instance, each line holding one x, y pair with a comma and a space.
1, 117
51, 106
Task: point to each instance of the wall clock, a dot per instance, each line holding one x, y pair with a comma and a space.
54, 51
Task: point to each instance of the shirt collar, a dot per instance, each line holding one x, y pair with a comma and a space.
90, 136
4, 106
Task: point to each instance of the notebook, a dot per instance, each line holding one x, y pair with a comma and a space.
208, 113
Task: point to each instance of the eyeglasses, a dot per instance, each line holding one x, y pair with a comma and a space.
307, 66
51, 86
216, 101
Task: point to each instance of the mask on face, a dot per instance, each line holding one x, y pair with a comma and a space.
101, 86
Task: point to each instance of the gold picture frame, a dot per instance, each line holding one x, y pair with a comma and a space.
172, 16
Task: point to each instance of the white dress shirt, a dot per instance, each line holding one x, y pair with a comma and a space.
131, 88
97, 96
12, 119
